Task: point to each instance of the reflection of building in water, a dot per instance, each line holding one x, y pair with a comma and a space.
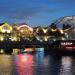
39, 56
66, 66
24, 64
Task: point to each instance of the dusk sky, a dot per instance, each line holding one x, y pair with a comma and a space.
35, 12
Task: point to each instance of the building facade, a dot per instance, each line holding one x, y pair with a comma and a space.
25, 32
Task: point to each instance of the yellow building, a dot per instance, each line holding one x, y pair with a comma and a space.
6, 28
15, 33
25, 31
5, 31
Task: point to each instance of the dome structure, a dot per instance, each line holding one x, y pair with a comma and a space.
67, 24
67, 20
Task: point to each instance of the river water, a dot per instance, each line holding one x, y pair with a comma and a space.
39, 63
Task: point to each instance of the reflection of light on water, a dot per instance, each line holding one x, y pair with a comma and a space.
39, 57
46, 60
39, 63
29, 49
24, 59
24, 64
5, 64
39, 49
66, 64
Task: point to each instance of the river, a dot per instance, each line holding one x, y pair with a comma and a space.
39, 63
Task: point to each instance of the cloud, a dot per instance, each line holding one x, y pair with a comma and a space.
31, 12
25, 8
25, 13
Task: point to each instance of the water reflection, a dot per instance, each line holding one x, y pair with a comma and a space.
38, 58
38, 63
66, 65
5, 64
54, 65
24, 64
46, 64
41, 64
